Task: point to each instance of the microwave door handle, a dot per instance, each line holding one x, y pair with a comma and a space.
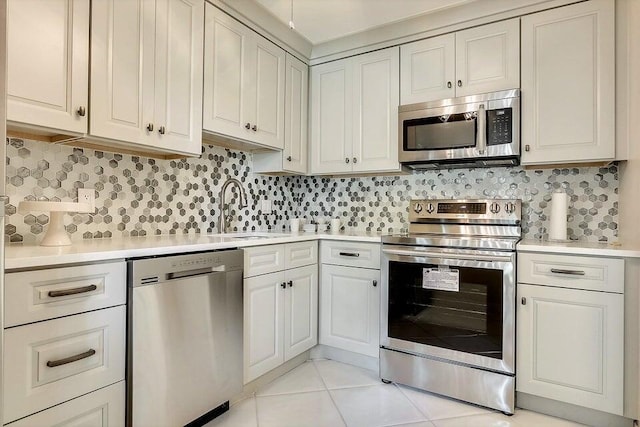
481, 134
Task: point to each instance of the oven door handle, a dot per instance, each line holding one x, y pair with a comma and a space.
452, 256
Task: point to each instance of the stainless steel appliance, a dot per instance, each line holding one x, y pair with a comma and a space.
472, 131
184, 337
448, 300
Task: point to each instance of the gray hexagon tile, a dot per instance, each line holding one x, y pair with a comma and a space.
137, 196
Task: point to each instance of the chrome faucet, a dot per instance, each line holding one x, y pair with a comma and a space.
224, 218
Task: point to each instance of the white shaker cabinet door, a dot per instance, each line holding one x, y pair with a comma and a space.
571, 346
350, 309
178, 75
301, 315
263, 324
488, 58
122, 74
568, 84
296, 116
48, 63
376, 82
331, 124
428, 70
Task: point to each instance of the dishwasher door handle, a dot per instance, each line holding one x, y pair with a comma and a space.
196, 272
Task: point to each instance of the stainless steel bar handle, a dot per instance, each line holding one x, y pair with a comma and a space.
569, 272
350, 254
481, 134
71, 359
72, 291
446, 256
197, 272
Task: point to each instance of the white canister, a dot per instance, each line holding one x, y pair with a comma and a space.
294, 225
336, 225
558, 217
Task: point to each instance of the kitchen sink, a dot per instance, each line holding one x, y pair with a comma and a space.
251, 236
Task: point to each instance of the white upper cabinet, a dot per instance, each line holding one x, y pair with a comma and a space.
354, 114
48, 63
568, 84
244, 82
142, 91
428, 70
478, 60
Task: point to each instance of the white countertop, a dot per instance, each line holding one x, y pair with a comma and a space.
20, 256
580, 248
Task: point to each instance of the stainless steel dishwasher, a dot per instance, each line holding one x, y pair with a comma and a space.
184, 337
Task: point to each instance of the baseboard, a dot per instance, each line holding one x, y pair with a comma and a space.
325, 352
570, 412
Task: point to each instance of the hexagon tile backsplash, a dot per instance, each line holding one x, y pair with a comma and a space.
136, 196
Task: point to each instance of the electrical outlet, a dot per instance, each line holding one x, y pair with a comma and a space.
87, 195
266, 207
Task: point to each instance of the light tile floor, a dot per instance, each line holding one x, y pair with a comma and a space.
327, 393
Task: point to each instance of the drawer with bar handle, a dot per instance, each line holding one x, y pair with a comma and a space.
32, 296
350, 254
47, 363
572, 271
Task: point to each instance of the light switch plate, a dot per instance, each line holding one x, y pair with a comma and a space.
266, 206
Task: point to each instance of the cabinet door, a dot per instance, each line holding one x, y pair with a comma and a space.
301, 315
296, 116
265, 103
48, 63
571, 346
488, 58
568, 84
331, 100
178, 75
225, 83
350, 309
122, 58
376, 82
263, 324
428, 70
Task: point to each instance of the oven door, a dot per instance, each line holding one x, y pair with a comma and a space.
454, 305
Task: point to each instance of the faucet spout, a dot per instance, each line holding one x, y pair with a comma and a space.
222, 220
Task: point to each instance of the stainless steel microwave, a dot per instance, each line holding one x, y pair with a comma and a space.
471, 131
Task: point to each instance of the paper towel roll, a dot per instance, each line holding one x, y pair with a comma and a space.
558, 217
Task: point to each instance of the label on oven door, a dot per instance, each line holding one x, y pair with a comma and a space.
441, 279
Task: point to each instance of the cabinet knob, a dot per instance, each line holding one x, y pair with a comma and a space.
524, 301
290, 283
247, 126
355, 160
254, 128
459, 83
375, 283
81, 111
283, 285
346, 160
288, 158
449, 85
161, 130
150, 127
527, 148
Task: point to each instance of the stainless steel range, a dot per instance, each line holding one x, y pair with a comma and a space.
448, 300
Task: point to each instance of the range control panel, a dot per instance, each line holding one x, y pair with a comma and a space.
482, 211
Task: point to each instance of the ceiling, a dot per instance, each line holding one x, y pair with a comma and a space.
322, 20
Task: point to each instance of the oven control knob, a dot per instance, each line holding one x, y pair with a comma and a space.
430, 207
510, 208
417, 208
494, 208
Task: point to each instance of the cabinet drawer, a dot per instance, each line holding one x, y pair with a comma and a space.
570, 271
300, 254
32, 296
263, 259
50, 362
102, 408
350, 254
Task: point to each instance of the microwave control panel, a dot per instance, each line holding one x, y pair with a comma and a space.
499, 126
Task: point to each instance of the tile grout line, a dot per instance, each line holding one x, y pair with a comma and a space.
335, 405
427, 416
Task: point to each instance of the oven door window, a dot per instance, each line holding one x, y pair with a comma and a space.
468, 320
440, 133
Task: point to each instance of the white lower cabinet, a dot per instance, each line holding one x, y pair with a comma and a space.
102, 408
571, 346
280, 317
350, 308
